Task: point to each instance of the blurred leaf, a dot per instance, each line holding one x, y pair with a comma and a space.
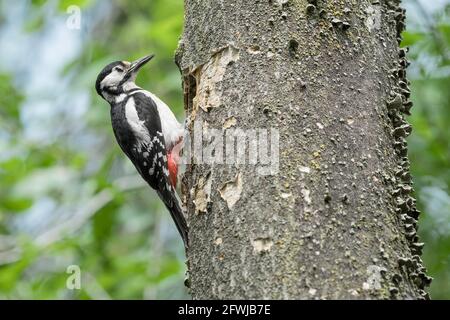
11, 273
16, 204
10, 102
65, 4
38, 2
410, 38
104, 222
35, 23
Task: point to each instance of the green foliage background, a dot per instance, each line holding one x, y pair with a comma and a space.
69, 197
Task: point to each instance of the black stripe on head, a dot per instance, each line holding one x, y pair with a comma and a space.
102, 75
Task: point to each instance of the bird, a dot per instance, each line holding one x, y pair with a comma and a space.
147, 131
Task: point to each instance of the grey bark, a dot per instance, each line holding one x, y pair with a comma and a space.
338, 220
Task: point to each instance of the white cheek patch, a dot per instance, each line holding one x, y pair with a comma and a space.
111, 80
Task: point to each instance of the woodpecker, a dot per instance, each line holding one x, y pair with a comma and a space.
146, 131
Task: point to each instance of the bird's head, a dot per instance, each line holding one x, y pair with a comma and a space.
118, 77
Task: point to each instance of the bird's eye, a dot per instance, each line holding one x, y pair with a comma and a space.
119, 69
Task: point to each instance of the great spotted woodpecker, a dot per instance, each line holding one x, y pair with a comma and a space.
146, 130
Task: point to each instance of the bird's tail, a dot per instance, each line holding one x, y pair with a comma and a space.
173, 204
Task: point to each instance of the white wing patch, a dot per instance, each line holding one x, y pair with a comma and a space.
171, 128
136, 124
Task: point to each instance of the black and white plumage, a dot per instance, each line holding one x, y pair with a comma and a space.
146, 130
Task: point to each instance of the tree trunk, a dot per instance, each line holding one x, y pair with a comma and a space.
325, 82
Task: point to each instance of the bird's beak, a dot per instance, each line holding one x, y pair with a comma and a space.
136, 65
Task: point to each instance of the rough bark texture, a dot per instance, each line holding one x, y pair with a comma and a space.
338, 220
